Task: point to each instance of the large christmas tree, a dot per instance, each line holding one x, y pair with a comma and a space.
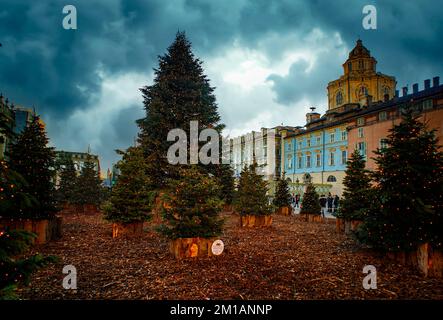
31, 157
192, 205
89, 189
180, 93
282, 195
409, 186
357, 194
132, 196
251, 197
310, 203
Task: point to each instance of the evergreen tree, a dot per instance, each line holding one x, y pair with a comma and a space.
89, 189
31, 157
357, 194
132, 196
180, 93
310, 203
193, 205
251, 197
409, 186
225, 176
66, 193
282, 195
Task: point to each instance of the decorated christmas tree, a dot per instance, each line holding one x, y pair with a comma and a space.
31, 157
409, 186
66, 192
180, 93
88, 188
192, 205
282, 195
132, 196
251, 197
310, 203
357, 194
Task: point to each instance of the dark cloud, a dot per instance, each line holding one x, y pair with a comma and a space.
58, 71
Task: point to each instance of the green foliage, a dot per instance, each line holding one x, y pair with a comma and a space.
132, 197
66, 193
357, 194
310, 202
88, 185
31, 157
193, 205
282, 195
251, 197
180, 93
409, 188
16, 270
225, 176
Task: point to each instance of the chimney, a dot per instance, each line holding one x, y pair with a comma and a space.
405, 91
397, 93
435, 81
415, 88
427, 84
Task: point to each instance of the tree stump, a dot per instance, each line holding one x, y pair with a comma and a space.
124, 229
251, 220
182, 248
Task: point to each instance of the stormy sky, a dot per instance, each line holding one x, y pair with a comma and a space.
269, 60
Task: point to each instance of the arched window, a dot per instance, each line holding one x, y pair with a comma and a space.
363, 91
339, 98
332, 179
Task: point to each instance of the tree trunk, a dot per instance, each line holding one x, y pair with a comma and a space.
182, 248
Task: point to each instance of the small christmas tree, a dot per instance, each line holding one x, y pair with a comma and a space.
251, 197
89, 189
409, 186
31, 157
66, 192
310, 203
357, 194
132, 196
192, 205
282, 195
225, 177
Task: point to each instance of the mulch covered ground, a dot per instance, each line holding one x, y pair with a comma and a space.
292, 259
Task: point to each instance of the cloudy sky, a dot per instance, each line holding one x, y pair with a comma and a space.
269, 60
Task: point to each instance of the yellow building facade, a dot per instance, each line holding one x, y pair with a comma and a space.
360, 80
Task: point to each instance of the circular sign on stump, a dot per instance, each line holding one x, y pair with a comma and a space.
217, 247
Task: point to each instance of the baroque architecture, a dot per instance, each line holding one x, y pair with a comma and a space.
360, 80
356, 119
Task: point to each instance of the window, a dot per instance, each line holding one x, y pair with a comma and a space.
427, 104
360, 121
300, 145
363, 91
383, 143
332, 179
332, 159
344, 157
339, 98
344, 135
360, 132
318, 159
289, 146
318, 140
382, 116
289, 162
308, 161
350, 66
332, 137
300, 162
361, 146
308, 142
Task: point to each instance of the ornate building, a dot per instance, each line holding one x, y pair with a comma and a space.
360, 80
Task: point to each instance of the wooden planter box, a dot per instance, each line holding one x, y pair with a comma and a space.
351, 225
45, 229
124, 229
340, 225
425, 259
284, 211
191, 247
251, 220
